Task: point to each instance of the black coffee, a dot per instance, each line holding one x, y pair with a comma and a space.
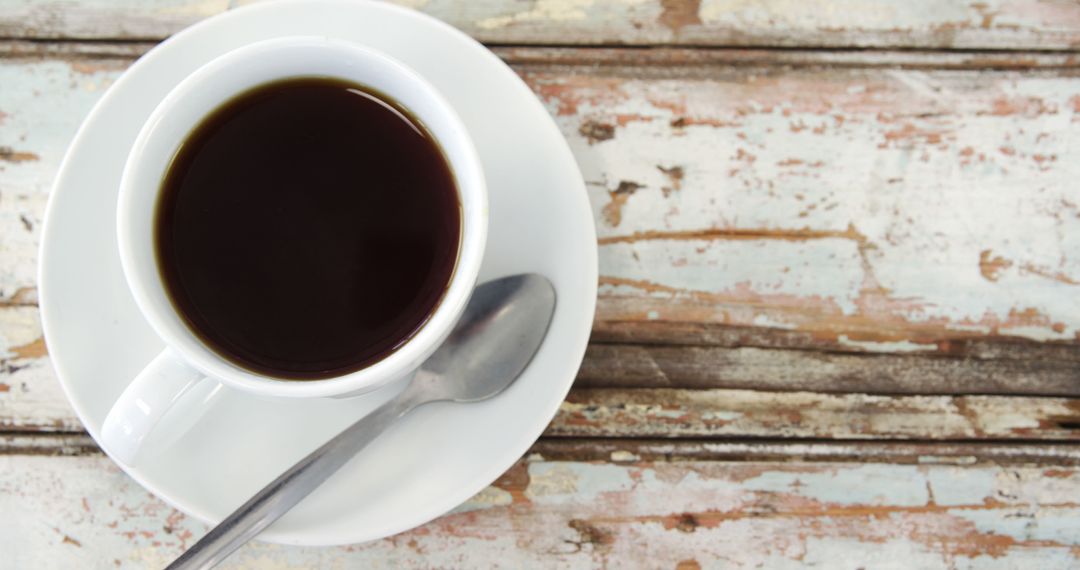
307, 228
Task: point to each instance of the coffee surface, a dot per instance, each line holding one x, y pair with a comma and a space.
307, 228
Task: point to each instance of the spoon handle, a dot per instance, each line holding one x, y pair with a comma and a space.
283, 493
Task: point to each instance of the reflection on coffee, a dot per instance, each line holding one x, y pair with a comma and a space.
307, 228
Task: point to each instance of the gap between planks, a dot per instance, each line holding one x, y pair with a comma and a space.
628, 450
638, 56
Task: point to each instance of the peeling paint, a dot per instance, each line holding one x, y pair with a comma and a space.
1010, 24
897, 346
866, 485
665, 412
8, 154
677, 14
596, 514
978, 269
548, 10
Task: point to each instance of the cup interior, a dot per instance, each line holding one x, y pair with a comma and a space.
247, 68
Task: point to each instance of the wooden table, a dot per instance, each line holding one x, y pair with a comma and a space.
839, 306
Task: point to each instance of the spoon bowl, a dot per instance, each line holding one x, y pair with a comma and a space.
502, 327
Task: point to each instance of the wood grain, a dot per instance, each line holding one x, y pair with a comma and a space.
877, 210
79, 511
745, 413
994, 368
993, 24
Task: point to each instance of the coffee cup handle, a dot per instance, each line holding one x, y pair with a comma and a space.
145, 401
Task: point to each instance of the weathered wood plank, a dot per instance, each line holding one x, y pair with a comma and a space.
31, 398
805, 199
79, 511
31, 401
51, 444
745, 413
1026, 368
998, 24
739, 195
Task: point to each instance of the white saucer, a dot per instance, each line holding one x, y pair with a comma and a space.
436, 458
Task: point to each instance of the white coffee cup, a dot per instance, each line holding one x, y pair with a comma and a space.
186, 360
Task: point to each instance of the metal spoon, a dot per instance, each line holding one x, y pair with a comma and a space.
500, 331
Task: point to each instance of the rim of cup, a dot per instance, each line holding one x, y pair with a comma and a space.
239, 71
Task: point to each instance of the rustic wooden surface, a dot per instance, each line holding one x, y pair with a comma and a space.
838, 320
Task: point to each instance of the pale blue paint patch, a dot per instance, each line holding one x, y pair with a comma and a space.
721, 416
957, 486
1040, 559
853, 554
688, 481
865, 485
486, 499
564, 482
900, 554
1055, 524
661, 412
43, 104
